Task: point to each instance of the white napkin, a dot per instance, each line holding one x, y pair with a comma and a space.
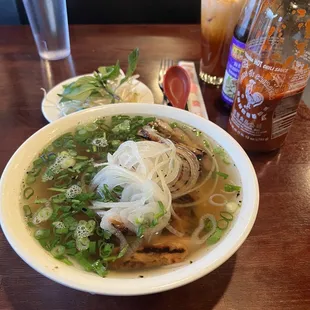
195, 101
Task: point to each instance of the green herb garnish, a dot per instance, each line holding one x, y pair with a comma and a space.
222, 174
229, 188
97, 86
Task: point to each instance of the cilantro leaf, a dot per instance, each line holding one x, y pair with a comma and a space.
132, 64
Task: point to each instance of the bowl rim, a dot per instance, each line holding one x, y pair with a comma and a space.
155, 284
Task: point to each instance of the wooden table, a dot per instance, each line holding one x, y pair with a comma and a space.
272, 268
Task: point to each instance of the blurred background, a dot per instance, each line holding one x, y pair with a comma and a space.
113, 12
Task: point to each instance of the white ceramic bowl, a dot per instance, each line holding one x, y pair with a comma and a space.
123, 283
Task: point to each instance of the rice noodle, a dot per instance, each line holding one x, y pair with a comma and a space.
174, 231
199, 229
144, 170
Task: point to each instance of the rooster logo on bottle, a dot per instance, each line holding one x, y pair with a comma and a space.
254, 99
247, 103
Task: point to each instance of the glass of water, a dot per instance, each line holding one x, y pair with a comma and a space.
49, 24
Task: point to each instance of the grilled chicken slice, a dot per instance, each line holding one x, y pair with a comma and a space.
149, 133
185, 223
165, 251
177, 135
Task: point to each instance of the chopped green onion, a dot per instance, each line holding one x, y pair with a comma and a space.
63, 181
88, 212
227, 216
123, 127
82, 244
70, 145
58, 224
221, 152
41, 201
198, 132
83, 261
35, 171
28, 192
215, 237
27, 210
118, 189
42, 234
55, 241
91, 127
122, 252
229, 188
58, 251
106, 235
106, 249
68, 236
65, 209
108, 195
70, 222
222, 174
222, 224
114, 258
92, 247
60, 190
72, 153
61, 231
66, 261
57, 143
45, 244
90, 226
38, 162
30, 224
30, 179
51, 157
99, 268
140, 231
174, 125
42, 215
56, 208
59, 198
208, 225
116, 143
70, 244
99, 231
81, 157
206, 144
71, 251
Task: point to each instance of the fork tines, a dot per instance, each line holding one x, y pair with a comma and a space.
165, 64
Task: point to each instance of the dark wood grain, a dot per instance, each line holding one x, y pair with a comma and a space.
272, 268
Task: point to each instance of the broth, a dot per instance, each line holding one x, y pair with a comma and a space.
130, 192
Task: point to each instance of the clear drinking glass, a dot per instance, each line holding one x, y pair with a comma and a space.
218, 21
49, 24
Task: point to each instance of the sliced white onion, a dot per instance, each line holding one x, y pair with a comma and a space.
189, 180
199, 229
217, 204
174, 231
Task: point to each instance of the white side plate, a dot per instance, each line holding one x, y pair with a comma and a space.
49, 103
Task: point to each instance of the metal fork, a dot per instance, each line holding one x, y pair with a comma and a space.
165, 64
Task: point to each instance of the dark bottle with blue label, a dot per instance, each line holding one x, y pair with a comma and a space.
236, 52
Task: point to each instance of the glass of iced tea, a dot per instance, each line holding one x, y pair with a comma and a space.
218, 21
